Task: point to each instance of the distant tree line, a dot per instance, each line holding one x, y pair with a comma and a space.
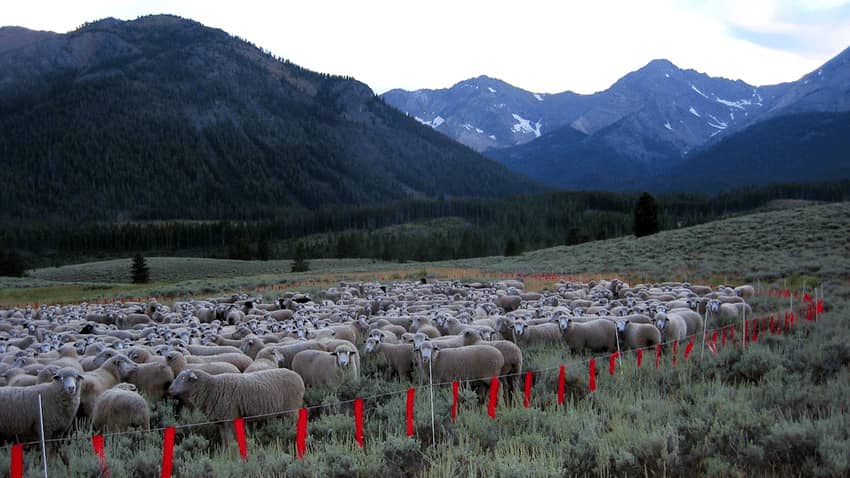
479, 227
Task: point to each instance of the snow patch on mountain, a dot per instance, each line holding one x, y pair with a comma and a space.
539, 98
524, 126
698, 91
740, 104
491, 90
667, 125
694, 112
434, 123
469, 127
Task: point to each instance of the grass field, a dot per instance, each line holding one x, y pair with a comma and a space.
777, 408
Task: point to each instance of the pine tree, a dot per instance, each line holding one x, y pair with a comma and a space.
139, 271
264, 250
299, 261
12, 264
646, 216
513, 247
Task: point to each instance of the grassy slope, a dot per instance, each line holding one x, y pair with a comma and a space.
811, 240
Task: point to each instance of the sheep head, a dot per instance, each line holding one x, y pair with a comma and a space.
70, 381
519, 327
372, 344
184, 383
564, 322
343, 355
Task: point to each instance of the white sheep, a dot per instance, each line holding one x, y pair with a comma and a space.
320, 368
19, 417
121, 408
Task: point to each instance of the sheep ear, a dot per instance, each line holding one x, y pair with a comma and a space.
192, 376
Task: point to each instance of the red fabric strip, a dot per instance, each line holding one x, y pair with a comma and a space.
16, 466
527, 398
561, 385
301, 433
411, 396
639, 357
97, 445
358, 422
494, 397
591, 371
167, 453
455, 386
239, 429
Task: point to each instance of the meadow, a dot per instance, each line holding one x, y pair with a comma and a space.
775, 408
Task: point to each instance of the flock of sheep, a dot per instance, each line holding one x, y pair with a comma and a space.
240, 356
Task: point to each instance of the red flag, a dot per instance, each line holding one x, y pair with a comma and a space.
239, 430
755, 337
612, 362
411, 396
675, 351
16, 466
820, 306
301, 433
787, 293
494, 397
561, 385
772, 326
358, 422
97, 445
167, 453
592, 374
527, 398
455, 386
639, 357
807, 297
714, 338
689, 348
657, 355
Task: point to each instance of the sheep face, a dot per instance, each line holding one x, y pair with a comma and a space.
183, 384
714, 306
621, 325
418, 340
343, 357
519, 327
564, 322
372, 344
427, 352
70, 380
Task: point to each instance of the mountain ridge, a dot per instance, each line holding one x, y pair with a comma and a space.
164, 117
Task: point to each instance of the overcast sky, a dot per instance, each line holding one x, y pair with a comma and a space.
548, 46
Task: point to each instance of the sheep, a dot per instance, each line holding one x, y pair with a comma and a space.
152, 379
177, 362
445, 342
636, 335
94, 383
121, 408
693, 321
240, 360
320, 368
598, 335
745, 291
672, 327
384, 336
266, 359
231, 395
541, 333
476, 363
19, 417
211, 349
401, 357
725, 313
510, 353
509, 303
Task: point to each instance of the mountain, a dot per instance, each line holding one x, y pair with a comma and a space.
647, 124
683, 107
485, 113
162, 117
804, 147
